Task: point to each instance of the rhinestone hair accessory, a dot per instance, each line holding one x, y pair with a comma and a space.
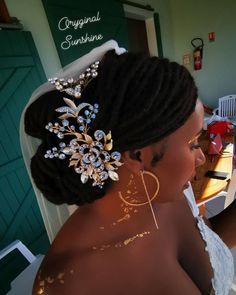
90, 155
75, 87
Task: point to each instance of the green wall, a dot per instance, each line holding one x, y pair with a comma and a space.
164, 9
192, 19
32, 15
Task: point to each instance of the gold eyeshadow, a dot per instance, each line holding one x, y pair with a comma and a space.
195, 137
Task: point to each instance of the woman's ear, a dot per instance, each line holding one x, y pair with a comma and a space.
133, 160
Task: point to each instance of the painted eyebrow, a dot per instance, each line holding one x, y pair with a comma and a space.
197, 135
200, 132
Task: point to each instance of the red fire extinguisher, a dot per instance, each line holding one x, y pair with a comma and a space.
197, 53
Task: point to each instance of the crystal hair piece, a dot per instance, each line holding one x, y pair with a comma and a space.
90, 156
75, 87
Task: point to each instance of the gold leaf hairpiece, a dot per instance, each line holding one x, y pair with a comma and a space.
90, 155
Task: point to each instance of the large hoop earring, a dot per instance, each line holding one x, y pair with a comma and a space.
149, 199
147, 194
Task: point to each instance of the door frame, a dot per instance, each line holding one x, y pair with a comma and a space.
147, 16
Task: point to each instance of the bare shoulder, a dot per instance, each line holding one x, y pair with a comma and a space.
58, 269
128, 272
53, 276
156, 265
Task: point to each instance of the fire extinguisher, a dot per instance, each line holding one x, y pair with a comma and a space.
197, 53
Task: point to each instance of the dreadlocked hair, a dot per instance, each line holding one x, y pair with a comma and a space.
141, 99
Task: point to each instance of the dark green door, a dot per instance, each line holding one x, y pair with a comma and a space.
79, 26
20, 73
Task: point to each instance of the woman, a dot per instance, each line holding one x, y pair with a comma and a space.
135, 232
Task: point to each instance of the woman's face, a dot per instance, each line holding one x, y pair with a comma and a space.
181, 157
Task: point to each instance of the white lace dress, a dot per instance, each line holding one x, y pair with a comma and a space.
221, 258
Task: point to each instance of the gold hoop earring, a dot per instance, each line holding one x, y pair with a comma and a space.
149, 200
142, 173
147, 194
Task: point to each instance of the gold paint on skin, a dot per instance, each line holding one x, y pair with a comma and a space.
130, 240
104, 247
131, 191
60, 275
124, 243
127, 209
126, 217
196, 137
41, 283
49, 280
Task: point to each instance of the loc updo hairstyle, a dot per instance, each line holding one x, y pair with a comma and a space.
141, 99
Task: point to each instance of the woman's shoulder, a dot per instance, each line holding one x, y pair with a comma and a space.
71, 264
134, 271
54, 274
58, 270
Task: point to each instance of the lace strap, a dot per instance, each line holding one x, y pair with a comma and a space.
191, 200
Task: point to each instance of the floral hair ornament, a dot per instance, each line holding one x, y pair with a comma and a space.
91, 156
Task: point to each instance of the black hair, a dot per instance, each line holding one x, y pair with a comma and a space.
141, 99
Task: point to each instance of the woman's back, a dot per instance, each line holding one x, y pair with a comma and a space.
84, 260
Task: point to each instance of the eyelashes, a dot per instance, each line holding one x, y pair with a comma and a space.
195, 146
